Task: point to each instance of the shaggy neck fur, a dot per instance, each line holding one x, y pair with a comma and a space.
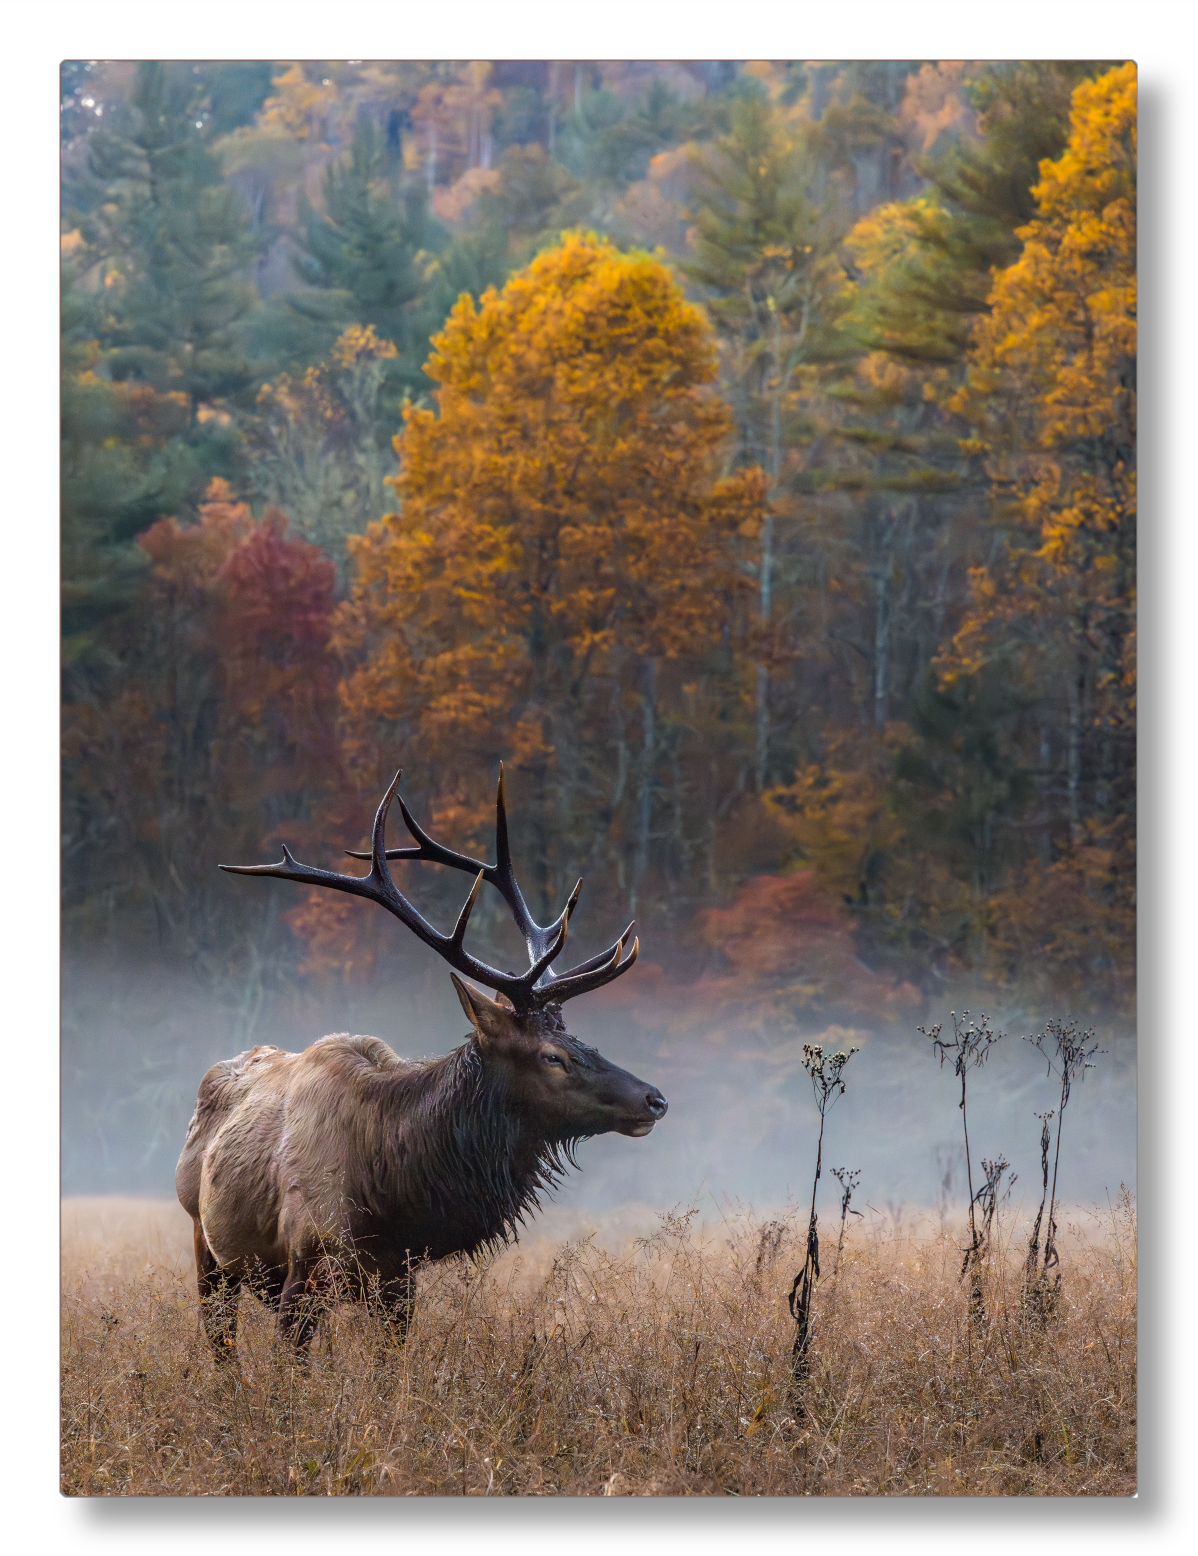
474, 1159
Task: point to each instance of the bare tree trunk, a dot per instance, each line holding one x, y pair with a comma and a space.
615, 831
763, 724
544, 843
645, 806
621, 751
679, 862
1044, 794
763, 670
1075, 758
767, 559
882, 647
882, 613
711, 826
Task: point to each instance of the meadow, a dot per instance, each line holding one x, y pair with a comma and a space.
604, 1364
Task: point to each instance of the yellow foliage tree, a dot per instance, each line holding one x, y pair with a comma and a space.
1051, 398
553, 588
299, 108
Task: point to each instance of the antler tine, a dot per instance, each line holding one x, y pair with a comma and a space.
555, 946
378, 846
290, 869
537, 938
503, 852
558, 931
459, 929
377, 885
426, 848
602, 960
571, 984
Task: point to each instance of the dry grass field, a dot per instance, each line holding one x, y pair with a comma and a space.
660, 1369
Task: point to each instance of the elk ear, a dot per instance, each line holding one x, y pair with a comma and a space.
491, 1021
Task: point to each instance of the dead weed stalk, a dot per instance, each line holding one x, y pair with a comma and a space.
969, 1049
1068, 1054
828, 1085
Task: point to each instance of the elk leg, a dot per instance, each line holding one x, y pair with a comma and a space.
219, 1293
266, 1281
299, 1304
395, 1306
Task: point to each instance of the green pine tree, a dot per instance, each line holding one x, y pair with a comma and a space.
166, 246
123, 465
364, 258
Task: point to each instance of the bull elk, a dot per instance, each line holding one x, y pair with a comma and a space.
333, 1172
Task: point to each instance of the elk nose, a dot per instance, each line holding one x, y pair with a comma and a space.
657, 1103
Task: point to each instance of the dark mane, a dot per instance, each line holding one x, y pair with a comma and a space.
476, 1162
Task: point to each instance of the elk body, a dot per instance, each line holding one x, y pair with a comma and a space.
334, 1172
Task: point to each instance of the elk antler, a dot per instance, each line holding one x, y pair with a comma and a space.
528, 991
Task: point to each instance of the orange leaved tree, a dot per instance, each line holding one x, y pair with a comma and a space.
561, 583
1051, 392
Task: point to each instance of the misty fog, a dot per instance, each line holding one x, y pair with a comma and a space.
741, 1126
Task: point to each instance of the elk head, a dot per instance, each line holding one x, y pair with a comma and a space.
543, 1070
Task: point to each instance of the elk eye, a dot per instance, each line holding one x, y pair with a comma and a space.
553, 1059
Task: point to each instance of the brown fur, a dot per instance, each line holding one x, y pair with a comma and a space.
334, 1171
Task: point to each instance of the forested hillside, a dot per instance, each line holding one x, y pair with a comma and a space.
744, 454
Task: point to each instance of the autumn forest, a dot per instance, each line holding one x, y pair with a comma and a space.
743, 454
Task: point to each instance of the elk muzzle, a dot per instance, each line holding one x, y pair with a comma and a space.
656, 1105
637, 1106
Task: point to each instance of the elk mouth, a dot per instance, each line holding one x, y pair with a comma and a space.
657, 1106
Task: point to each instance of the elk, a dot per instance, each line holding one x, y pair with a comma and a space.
335, 1172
